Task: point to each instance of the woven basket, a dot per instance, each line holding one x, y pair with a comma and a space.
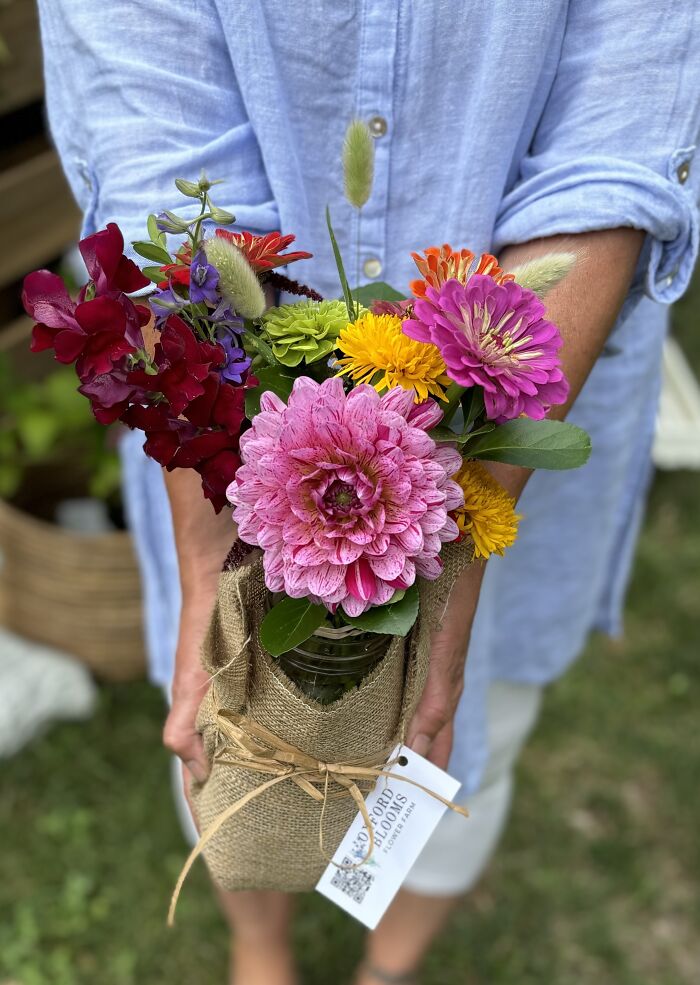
79, 593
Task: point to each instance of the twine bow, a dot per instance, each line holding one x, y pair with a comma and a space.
248, 745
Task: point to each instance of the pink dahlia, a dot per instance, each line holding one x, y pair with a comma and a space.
346, 494
494, 336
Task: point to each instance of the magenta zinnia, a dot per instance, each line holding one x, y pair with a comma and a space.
494, 336
346, 494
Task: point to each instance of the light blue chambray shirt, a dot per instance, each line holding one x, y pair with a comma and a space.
495, 122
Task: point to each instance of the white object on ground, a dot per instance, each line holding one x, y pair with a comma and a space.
83, 516
38, 686
677, 441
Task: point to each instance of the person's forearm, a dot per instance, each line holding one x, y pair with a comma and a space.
202, 537
584, 306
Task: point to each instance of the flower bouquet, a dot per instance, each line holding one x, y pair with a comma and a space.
349, 435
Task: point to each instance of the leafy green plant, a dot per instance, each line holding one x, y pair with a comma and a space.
49, 423
289, 623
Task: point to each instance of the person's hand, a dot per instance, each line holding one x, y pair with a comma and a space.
190, 684
203, 540
431, 728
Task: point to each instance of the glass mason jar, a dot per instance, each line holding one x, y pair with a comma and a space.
333, 661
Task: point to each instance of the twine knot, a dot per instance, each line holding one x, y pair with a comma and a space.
246, 744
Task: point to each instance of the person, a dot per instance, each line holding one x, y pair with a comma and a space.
515, 128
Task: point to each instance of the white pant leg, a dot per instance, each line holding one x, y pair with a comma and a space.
182, 808
177, 782
460, 848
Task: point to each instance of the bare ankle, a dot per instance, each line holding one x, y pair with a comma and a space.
258, 964
368, 974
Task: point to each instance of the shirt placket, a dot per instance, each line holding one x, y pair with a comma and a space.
375, 105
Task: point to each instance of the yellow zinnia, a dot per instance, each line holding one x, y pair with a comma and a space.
488, 515
378, 352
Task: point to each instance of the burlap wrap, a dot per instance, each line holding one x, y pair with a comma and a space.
273, 842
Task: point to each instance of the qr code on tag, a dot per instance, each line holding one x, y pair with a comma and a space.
355, 883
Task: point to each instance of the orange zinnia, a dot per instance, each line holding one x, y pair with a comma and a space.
442, 263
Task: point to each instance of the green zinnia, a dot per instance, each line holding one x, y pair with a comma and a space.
306, 331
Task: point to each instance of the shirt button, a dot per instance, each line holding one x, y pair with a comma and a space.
377, 126
683, 172
372, 267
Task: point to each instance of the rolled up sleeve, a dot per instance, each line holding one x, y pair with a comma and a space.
139, 94
616, 143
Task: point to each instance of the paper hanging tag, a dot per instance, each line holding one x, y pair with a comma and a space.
403, 817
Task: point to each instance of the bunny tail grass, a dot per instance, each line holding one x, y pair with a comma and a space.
238, 281
358, 163
543, 273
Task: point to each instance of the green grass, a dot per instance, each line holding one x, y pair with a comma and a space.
596, 882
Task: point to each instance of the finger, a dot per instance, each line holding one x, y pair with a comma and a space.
441, 748
189, 747
197, 764
187, 779
421, 744
441, 694
435, 711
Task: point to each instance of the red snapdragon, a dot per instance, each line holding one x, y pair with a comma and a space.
190, 413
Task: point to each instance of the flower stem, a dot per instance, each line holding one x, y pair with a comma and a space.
454, 395
341, 269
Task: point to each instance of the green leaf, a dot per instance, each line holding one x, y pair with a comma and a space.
395, 618
472, 405
462, 429
534, 444
150, 251
289, 623
153, 273
253, 341
154, 232
454, 394
485, 428
271, 378
341, 269
377, 291
190, 188
443, 434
